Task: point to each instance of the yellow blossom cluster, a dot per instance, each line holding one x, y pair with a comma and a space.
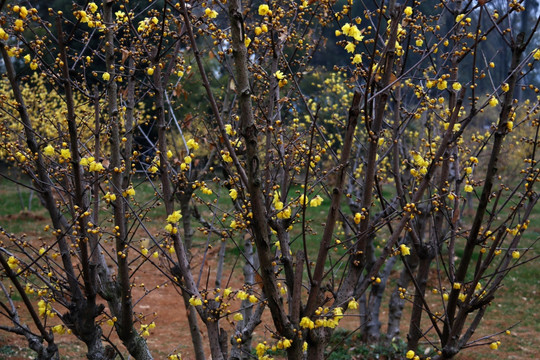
91, 164
45, 308
325, 317
145, 329
59, 329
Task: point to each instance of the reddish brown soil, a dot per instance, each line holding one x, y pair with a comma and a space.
165, 307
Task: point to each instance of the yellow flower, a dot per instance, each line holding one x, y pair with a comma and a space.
330, 323
350, 47
468, 188
18, 25
316, 201
279, 75
260, 349
3, 34
456, 86
152, 169
478, 286
229, 130
129, 191
233, 224
144, 251
211, 14
238, 317
357, 59
96, 167
195, 301
456, 286
253, 299
192, 144
227, 158
13, 263
352, 305
307, 323
505, 87
27, 58
171, 229
174, 217
48, 150
408, 11
106, 76
285, 213
405, 250
59, 329
28, 289
460, 17
109, 197
155, 255
65, 154
120, 15
242, 295
233, 194
83, 17
493, 102
536, 54
515, 254
150, 71
264, 10
355, 33
21, 156
92, 7
419, 42
494, 346
45, 308
441, 85
410, 354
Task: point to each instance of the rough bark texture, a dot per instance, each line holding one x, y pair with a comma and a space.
396, 303
454, 324
120, 299
249, 131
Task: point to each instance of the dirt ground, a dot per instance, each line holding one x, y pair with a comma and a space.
165, 307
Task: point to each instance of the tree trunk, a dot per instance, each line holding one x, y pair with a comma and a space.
396, 303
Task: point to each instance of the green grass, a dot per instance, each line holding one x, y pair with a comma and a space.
515, 301
20, 208
345, 345
8, 350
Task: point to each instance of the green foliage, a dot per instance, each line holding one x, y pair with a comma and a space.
345, 345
